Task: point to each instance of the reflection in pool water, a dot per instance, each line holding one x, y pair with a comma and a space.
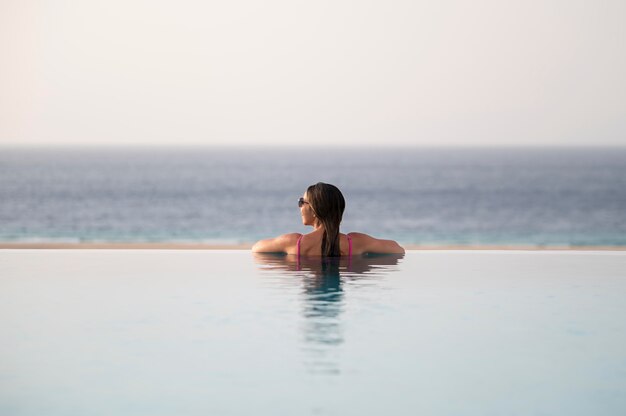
322, 280
158, 332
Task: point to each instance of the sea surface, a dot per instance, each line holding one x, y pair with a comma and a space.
536, 196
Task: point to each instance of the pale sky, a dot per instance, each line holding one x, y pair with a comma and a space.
313, 72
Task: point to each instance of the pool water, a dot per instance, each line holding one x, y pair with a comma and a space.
152, 332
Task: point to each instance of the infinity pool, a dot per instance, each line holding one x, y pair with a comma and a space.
151, 332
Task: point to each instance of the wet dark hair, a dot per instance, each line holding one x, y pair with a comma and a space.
328, 204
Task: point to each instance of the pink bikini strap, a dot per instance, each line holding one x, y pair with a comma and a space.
349, 253
298, 258
298, 244
349, 245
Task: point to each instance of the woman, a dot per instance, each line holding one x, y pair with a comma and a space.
322, 207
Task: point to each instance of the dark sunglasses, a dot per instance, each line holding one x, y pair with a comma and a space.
301, 202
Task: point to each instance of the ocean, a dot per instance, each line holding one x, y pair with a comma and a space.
431, 196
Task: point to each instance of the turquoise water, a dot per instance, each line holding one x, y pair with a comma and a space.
149, 332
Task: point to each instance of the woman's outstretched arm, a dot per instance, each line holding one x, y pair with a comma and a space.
280, 244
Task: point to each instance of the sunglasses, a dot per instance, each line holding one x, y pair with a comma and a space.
301, 202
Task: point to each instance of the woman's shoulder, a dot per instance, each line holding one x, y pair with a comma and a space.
282, 243
358, 236
290, 239
291, 236
368, 244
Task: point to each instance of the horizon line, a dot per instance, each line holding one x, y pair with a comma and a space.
296, 146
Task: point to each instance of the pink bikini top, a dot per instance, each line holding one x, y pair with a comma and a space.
349, 245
